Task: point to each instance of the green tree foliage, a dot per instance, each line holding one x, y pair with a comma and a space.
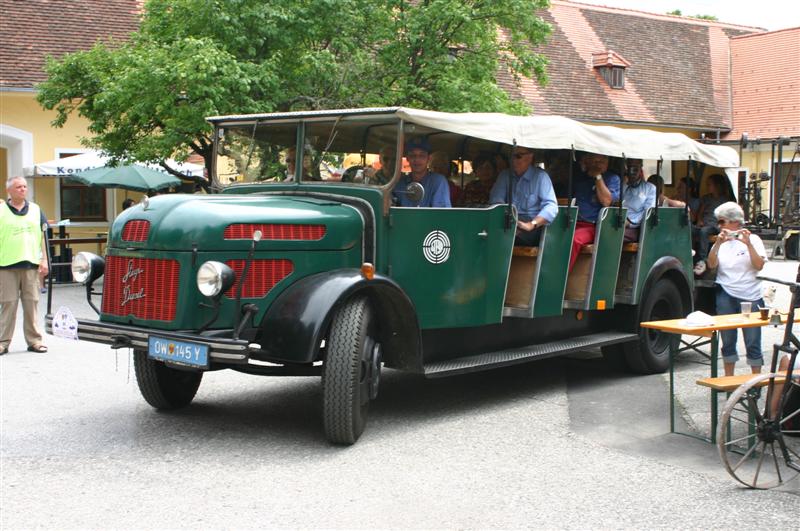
678, 12
147, 99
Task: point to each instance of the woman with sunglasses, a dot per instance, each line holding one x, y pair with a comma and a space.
738, 257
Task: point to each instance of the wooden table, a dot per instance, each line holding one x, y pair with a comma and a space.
678, 327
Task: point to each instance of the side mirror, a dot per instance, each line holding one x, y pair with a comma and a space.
415, 192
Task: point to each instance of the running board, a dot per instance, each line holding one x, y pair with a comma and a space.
502, 358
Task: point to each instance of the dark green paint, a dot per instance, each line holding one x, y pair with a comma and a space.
607, 249
670, 236
469, 287
177, 222
554, 263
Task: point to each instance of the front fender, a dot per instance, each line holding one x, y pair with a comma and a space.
298, 319
672, 268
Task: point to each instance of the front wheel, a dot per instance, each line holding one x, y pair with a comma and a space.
164, 387
351, 371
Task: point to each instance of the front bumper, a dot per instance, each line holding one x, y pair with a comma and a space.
220, 349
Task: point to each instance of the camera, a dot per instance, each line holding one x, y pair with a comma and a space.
736, 234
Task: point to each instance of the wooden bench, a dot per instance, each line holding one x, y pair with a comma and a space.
729, 384
530, 252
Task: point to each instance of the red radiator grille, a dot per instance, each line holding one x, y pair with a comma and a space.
146, 288
261, 277
244, 231
136, 230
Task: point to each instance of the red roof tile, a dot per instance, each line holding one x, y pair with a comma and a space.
678, 73
35, 29
766, 84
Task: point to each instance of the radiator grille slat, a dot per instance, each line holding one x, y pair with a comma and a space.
146, 288
262, 276
136, 230
273, 231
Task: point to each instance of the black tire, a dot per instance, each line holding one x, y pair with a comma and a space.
164, 387
346, 371
650, 354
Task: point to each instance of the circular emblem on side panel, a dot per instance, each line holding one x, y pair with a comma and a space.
436, 247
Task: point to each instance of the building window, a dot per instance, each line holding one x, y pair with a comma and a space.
614, 76
611, 66
80, 202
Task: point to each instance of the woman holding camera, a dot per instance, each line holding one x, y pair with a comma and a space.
738, 257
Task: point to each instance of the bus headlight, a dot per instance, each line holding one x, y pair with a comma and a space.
214, 278
87, 267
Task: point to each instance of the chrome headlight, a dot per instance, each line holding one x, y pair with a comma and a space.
214, 278
87, 267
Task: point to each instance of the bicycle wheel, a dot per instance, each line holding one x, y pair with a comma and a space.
759, 453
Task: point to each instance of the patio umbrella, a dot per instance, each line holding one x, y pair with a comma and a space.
129, 177
67, 166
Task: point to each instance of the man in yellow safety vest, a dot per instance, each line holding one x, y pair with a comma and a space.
23, 261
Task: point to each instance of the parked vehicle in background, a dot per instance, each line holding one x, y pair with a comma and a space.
278, 275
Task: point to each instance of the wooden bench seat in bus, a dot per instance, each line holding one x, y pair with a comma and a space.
592, 282
525, 251
537, 275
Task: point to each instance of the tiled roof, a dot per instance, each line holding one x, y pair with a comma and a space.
34, 29
766, 84
678, 73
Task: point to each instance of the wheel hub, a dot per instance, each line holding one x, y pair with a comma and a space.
768, 431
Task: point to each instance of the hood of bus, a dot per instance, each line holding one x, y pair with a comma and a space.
179, 222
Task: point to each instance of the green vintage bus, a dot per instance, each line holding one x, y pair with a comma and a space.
301, 273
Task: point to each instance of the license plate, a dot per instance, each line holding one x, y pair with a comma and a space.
180, 352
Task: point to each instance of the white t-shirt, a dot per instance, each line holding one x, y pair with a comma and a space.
735, 272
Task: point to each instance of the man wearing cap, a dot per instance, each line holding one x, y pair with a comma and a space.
637, 197
531, 193
23, 260
437, 191
594, 188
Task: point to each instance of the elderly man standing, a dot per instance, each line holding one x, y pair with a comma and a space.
531, 192
23, 259
437, 192
595, 188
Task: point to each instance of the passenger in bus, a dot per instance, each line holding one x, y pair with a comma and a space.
637, 197
738, 257
442, 164
531, 192
661, 199
595, 187
687, 193
291, 156
484, 170
719, 193
387, 156
437, 192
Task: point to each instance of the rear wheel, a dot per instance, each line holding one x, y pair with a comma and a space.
164, 387
351, 371
650, 354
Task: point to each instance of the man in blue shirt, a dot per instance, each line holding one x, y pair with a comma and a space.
531, 192
437, 191
637, 197
594, 188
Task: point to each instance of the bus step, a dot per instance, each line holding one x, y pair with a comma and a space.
502, 358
